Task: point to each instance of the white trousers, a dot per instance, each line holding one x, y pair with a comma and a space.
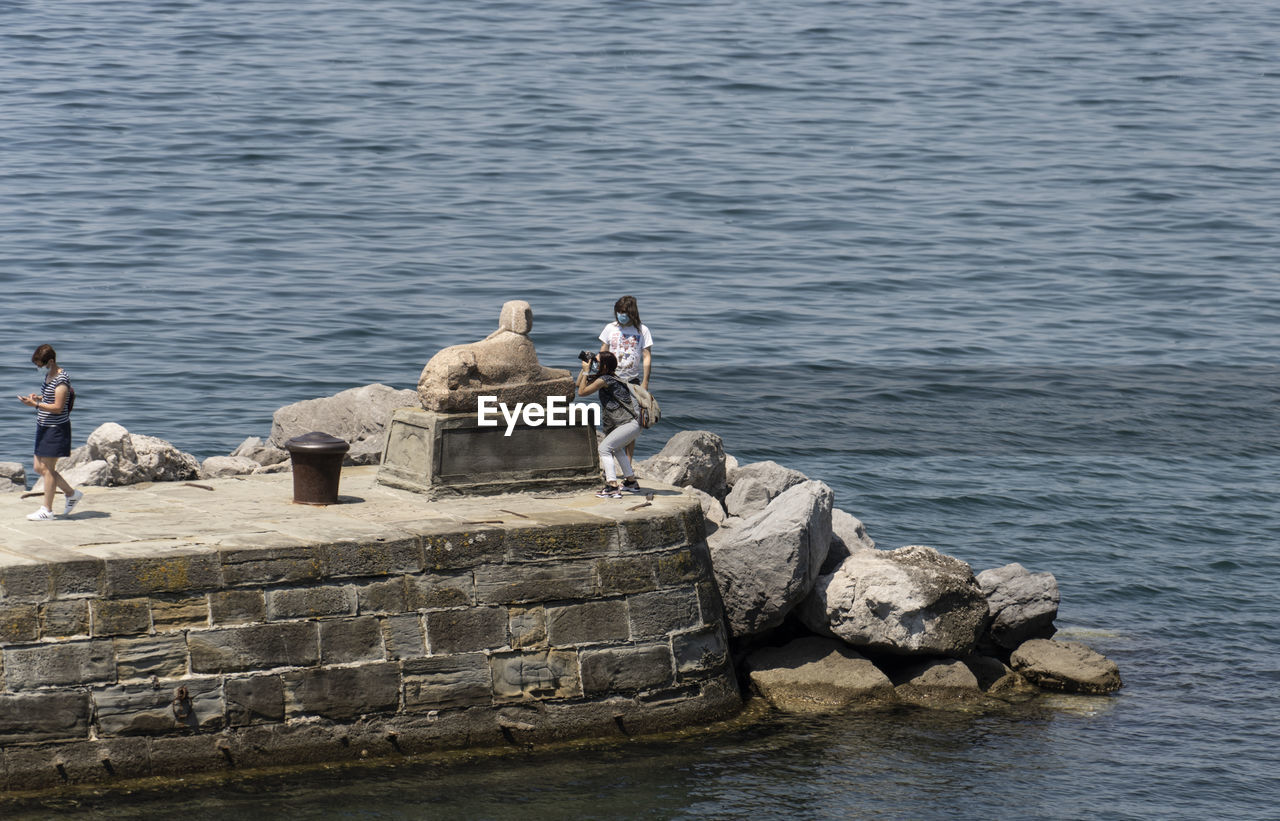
614, 446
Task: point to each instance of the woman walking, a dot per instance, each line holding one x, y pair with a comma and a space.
53, 431
621, 427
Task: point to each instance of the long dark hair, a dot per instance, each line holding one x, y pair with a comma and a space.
608, 364
627, 305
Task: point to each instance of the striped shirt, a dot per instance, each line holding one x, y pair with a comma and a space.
49, 396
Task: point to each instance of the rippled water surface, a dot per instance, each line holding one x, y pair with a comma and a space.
1004, 274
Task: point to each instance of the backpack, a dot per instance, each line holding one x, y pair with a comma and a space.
650, 410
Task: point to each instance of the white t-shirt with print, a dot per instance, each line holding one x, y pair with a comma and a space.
626, 343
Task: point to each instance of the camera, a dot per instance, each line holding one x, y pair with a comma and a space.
586, 356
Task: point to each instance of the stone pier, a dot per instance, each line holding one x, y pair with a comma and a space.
173, 628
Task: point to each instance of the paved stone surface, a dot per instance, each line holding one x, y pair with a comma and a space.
161, 536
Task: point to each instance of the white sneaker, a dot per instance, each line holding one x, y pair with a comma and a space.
41, 515
72, 501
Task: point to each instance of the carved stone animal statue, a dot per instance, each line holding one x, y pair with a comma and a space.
503, 364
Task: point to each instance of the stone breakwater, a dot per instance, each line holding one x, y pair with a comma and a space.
173, 628
389, 625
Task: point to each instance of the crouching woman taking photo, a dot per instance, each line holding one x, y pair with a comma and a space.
621, 425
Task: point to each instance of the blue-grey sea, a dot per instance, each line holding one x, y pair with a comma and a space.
1004, 273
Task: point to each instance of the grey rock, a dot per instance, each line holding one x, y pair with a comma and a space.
940, 675
112, 444
1066, 667
814, 674
147, 709
691, 458
254, 700
357, 415
279, 467
757, 484
261, 452
731, 465
162, 462
767, 564
217, 467
13, 477
847, 535
712, 510
997, 678
909, 601
44, 716
94, 474
1022, 604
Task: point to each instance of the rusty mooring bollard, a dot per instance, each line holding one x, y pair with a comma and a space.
317, 467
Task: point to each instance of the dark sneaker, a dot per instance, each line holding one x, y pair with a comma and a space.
631, 486
609, 492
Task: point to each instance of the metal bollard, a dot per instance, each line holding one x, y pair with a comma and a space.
317, 467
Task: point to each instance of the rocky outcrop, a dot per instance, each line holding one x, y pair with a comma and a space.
357, 415
114, 456
766, 565
756, 485
909, 601
1022, 605
812, 674
1066, 667
504, 364
13, 477
691, 458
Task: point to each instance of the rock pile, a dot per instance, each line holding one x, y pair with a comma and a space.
114, 456
911, 625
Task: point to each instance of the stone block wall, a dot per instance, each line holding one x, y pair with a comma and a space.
270, 654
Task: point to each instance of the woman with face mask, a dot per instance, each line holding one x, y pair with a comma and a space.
53, 431
630, 342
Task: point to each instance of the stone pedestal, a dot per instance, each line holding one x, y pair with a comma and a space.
442, 454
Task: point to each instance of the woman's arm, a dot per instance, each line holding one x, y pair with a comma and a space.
586, 388
59, 400
647, 357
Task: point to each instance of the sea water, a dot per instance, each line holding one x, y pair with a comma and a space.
1003, 274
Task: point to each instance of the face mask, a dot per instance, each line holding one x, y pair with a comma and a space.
623, 319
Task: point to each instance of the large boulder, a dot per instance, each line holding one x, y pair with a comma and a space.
112, 444
13, 477
757, 484
1022, 605
691, 458
96, 473
357, 415
766, 565
260, 452
217, 467
162, 462
847, 535
712, 510
1066, 667
909, 601
997, 678
813, 673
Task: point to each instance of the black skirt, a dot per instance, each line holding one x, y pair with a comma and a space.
53, 440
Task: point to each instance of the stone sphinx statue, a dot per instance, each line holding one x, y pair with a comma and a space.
503, 364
